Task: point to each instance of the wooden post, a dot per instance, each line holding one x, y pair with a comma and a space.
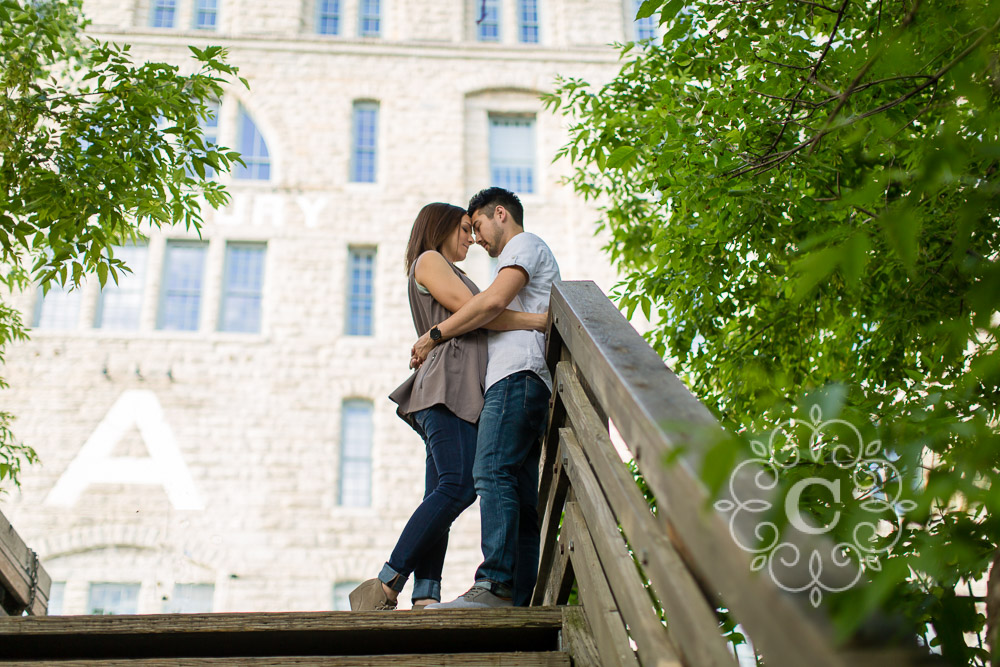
24, 582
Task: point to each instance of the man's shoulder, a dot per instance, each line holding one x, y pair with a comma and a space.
530, 242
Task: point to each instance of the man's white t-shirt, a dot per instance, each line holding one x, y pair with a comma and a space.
513, 351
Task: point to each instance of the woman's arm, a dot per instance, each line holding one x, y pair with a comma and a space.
434, 273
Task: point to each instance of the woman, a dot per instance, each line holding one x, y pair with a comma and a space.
441, 401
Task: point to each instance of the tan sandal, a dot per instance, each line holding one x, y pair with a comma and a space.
369, 596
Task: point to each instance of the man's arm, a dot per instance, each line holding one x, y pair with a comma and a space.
478, 310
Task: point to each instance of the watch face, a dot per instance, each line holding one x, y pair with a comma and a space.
435, 333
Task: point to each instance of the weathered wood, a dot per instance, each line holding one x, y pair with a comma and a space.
17, 566
550, 441
578, 638
691, 622
646, 401
550, 511
286, 634
652, 642
514, 659
610, 636
560, 577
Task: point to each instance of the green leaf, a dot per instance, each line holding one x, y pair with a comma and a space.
648, 8
620, 156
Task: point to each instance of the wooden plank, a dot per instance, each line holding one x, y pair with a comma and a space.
647, 401
691, 621
578, 638
513, 659
329, 621
550, 442
610, 635
559, 580
551, 512
652, 641
17, 562
290, 633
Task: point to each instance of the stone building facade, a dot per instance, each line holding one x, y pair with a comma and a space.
215, 433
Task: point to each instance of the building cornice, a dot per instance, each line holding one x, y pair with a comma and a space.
318, 45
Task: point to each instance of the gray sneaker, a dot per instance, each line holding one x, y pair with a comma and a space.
476, 597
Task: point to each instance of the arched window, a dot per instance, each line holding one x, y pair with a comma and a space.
512, 152
253, 149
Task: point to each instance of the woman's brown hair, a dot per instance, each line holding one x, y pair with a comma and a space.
433, 225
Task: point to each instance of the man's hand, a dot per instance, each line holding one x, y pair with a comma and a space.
421, 349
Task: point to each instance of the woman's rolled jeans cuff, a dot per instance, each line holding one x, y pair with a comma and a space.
422, 588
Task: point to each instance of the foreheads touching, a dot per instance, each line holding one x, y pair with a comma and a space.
486, 201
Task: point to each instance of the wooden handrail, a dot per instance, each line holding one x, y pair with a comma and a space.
24, 583
598, 530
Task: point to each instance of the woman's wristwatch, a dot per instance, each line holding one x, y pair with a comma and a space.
435, 334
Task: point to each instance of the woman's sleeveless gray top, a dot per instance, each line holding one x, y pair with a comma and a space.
454, 373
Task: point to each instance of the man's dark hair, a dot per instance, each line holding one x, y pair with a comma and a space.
488, 199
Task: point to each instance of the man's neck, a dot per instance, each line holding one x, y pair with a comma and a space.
516, 230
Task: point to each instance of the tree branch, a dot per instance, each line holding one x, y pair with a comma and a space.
772, 160
812, 75
851, 89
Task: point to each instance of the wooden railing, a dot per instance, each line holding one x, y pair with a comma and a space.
24, 583
629, 562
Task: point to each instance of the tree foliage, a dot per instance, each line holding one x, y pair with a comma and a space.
804, 196
92, 145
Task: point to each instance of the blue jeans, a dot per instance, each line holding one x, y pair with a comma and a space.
448, 490
506, 476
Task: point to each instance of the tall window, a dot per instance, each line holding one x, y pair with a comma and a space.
328, 17
120, 304
527, 15
356, 454
365, 140
206, 14
163, 13
512, 152
644, 28
253, 150
210, 132
59, 309
369, 18
116, 599
243, 287
360, 291
190, 599
487, 17
183, 277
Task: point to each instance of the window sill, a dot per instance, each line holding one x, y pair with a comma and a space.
152, 335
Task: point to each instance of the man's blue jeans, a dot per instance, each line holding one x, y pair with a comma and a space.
448, 490
506, 476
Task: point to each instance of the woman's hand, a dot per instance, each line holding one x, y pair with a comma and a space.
420, 350
542, 321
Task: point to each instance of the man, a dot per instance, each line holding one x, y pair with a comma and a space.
518, 386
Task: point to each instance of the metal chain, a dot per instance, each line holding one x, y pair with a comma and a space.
33, 579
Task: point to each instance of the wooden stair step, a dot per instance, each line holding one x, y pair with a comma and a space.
516, 659
265, 635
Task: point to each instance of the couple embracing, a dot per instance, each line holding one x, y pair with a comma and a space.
487, 445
